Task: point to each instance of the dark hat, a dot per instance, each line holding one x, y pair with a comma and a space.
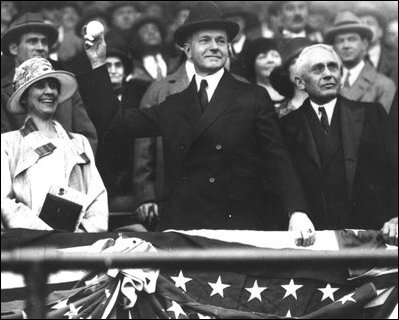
369, 9
347, 21
291, 48
116, 50
205, 15
28, 22
251, 19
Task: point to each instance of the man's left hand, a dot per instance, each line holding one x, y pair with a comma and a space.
305, 234
390, 231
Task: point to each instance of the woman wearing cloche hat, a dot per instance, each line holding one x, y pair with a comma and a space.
42, 157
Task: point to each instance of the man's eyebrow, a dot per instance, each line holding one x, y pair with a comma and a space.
317, 66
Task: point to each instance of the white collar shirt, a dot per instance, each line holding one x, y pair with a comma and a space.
329, 107
190, 70
150, 64
291, 35
212, 80
354, 73
375, 55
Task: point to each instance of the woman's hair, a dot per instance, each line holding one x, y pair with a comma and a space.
280, 81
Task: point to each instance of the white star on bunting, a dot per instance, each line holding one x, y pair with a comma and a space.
256, 291
181, 281
176, 308
61, 304
288, 315
328, 292
218, 287
73, 311
201, 316
291, 289
348, 297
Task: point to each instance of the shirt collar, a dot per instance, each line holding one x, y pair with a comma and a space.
329, 107
190, 70
212, 80
290, 35
355, 72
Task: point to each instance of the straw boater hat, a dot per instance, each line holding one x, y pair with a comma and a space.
347, 21
205, 15
36, 69
29, 22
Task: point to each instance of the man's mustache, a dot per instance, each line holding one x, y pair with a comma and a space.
298, 18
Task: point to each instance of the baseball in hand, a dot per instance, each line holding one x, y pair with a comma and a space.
94, 29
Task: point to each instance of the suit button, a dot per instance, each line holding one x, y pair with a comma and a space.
218, 147
212, 180
229, 215
182, 147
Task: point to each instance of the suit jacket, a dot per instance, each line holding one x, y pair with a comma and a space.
215, 161
71, 114
371, 86
371, 170
148, 170
388, 64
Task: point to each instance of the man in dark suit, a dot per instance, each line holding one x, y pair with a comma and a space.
341, 151
29, 36
219, 135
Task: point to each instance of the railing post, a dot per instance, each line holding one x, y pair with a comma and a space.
36, 282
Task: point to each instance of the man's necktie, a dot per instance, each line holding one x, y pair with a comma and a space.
202, 95
324, 120
346, 82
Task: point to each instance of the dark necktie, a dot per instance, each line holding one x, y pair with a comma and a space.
202, 95
324, 120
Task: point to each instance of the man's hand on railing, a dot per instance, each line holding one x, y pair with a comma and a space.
305, 234
148, 213
390, 231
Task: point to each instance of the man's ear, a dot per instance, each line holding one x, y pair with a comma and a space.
299, 83
13, 48
187, 50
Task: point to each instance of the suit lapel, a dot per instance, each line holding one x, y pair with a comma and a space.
179, 82
222, 98
305, 136
188, 104
361, 85
352, 119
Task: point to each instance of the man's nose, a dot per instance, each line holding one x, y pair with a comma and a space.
213, 45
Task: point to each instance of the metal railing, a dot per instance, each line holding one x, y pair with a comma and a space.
36, 267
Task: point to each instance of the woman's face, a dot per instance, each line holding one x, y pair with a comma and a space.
42, 98
266, 62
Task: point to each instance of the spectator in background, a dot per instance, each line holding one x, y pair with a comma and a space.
380, 56
282, 78
152, 60
70, 42
123, 15
391, 34
294, 16
239, 46
155, 9
9, 11
42, 155
360, 81
263, 56
29, 36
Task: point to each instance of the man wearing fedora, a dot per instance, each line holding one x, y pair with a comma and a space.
383, 58
29, 36
220, 136
342, 151
360, 81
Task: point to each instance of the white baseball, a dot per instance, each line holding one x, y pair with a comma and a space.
94, 29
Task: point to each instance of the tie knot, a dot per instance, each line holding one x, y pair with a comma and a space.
204, 84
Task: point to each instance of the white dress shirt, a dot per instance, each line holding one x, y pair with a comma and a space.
375, 55
190, 70
329, 107
355, 72
212, 80
291, 35
150, 64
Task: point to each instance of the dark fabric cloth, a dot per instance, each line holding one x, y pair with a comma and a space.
364, 161
71, 114
214, 162
388, 64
